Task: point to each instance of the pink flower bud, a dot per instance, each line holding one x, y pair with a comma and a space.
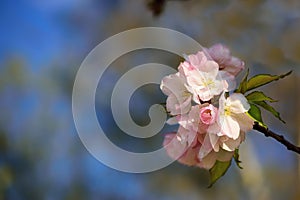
208, 114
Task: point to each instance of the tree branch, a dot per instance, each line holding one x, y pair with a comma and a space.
279, 138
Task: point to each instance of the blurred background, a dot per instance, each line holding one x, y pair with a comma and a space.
42, 45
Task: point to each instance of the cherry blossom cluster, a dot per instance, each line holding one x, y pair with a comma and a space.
212, 118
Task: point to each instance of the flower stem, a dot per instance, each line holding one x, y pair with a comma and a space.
279, 138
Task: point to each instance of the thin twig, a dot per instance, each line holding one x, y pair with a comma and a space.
279, 138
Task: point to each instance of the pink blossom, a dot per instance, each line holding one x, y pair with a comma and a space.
206, 133
202, 77
179, 98
211, 141
224, 142
208, 114
179, 148
232, 115
192, 121
194, 143
222, 56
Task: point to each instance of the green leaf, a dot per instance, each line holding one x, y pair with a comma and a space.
243, 85
236, 157
259, 96
255, 114
263, 79
269, 108
218, 170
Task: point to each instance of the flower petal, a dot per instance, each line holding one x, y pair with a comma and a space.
230, 144
229, 127
205, 148
172, 84
237, 103
234, 66
214, 140
189, 157
228, 63
229, 81
208, 161
220, 54
179, 151
246, 123
172, 121
173, 146
198, 59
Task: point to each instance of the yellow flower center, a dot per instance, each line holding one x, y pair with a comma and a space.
227, 111
208, 82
